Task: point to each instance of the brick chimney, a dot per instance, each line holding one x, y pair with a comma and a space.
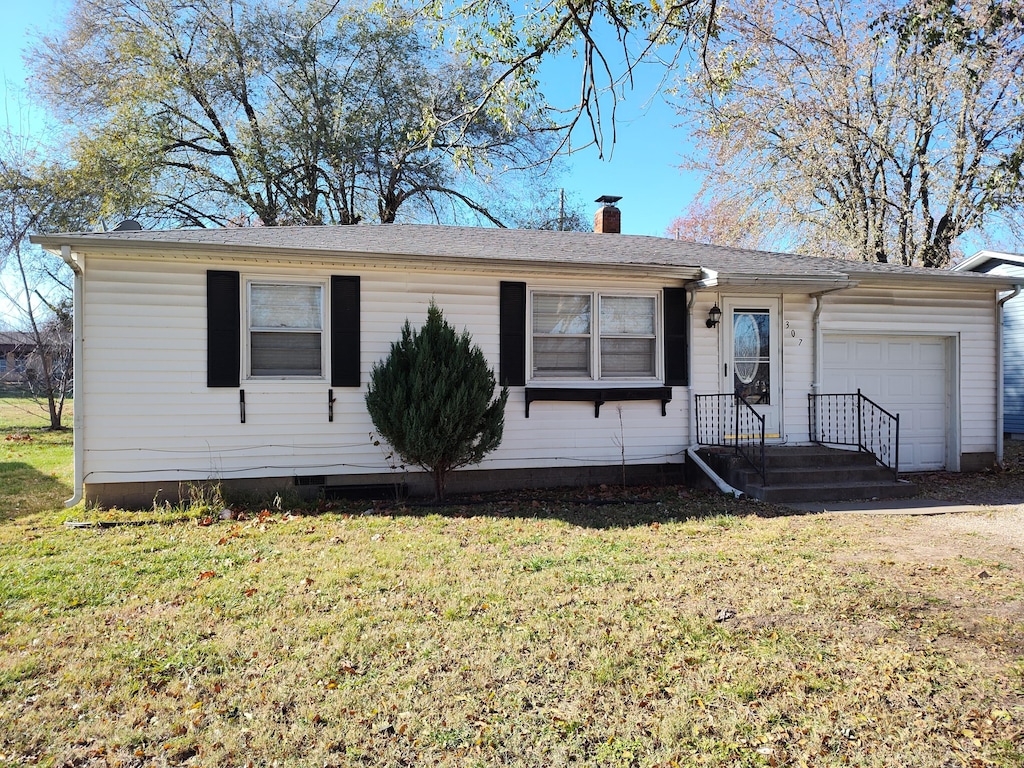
608, 218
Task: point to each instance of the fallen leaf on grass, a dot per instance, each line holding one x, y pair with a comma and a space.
206, 575
234, 533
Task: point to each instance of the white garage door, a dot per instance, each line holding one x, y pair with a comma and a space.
904, 375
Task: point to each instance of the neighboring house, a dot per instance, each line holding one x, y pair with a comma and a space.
1010, 265
18, 358
243, 355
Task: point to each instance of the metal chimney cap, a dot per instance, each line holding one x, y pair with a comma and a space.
608, 199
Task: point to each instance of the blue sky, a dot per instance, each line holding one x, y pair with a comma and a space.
642, 167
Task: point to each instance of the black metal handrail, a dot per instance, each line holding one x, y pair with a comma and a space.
730, 421
857, 421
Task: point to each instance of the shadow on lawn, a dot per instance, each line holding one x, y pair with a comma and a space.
586, 507
24, 490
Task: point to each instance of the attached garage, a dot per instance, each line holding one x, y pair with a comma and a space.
907, 375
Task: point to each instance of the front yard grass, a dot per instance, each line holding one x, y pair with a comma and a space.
36, 470
661, 628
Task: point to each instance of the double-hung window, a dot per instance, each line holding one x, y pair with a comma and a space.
286, 329
595, 336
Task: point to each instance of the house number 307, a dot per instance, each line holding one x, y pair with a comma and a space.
792, 334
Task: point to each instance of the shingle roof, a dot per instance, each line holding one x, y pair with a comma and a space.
17, 339
448, 242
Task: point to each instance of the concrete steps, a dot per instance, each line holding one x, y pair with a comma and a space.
809, 473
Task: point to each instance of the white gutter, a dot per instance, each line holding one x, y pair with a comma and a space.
723, 486
999, 373
76, 262
795, 282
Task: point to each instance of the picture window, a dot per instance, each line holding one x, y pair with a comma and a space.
594, 336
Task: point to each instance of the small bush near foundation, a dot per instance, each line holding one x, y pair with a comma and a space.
431, 399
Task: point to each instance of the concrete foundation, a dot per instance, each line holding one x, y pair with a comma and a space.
381, 486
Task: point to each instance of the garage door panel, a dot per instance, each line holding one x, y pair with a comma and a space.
908, 454
868, 353
930, 455
932, 387
933, 354
898, 352
835, 351
922, 456
899, 386
926, 422
905, 375
869, 385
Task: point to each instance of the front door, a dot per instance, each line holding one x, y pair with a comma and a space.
751, 357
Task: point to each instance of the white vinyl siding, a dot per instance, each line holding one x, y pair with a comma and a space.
150, 416
572, 341
797, 328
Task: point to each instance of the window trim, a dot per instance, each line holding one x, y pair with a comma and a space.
247, 328
595, 377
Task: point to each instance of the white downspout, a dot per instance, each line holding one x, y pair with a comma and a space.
816, 341
723, 486
999, 374
817, 337
78, 402
691, 452
689, 367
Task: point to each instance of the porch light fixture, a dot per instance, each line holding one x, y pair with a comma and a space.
714, 316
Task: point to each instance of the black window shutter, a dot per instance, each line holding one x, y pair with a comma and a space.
223, 329
344, 331
512, 329
677, 372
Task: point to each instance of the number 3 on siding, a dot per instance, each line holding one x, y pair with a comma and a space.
792, 334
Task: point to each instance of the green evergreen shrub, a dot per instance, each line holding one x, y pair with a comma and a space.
431, 399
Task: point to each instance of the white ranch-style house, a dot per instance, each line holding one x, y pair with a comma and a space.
242, 356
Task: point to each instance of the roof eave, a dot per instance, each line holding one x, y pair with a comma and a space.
969, 264
230, 252
940, 279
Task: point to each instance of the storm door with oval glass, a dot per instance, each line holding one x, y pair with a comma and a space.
751, 366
